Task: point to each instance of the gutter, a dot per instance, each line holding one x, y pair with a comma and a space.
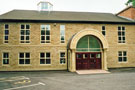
65, 21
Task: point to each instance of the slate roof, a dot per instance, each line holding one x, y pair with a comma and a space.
67, 16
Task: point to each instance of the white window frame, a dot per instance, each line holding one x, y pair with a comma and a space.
45, 41
122, 41
45, 58
4, 41
122, 57
5, 58
44, 6
24, 59
62, 35
104, 30
62, 57
25, 34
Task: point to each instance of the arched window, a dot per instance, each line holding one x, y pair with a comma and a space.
88, 44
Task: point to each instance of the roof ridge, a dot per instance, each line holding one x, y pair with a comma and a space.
61, 11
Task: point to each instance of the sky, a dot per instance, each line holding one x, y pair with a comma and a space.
106, 6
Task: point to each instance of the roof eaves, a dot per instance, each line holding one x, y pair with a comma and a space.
66, 21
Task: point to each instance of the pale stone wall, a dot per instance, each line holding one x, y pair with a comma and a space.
34, 57
114, 47
14, 47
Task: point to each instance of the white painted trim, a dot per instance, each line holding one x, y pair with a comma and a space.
6, 35
103, 30
63, 35
60, 51
121, 35
45, 58
122, 57
24, 35
6, 58
45, 34
24, 59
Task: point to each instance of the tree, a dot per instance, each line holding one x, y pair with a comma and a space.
132, 2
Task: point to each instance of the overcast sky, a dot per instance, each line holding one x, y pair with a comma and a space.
109, 6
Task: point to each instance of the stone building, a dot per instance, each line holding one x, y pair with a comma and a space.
64, 40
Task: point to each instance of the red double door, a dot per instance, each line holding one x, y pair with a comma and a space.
88, 60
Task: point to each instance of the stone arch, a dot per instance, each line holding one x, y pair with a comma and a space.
77, 37
85, 32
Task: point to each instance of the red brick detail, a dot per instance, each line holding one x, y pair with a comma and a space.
128, 13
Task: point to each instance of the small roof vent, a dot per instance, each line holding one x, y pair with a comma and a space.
45, 6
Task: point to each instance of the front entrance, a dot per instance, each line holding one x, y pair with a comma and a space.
88, 60
87, 49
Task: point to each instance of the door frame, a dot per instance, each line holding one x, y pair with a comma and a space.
73, 43
88, 60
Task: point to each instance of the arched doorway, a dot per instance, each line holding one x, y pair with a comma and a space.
74, 47
88, 53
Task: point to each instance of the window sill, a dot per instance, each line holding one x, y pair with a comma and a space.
45, 43
122, 43
63, 43
24, 65
24, 43
6, 65
45, 64
122, 62
63, 64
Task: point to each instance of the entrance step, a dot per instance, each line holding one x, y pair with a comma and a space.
92, 71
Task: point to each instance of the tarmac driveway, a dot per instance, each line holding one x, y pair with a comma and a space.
63, 80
